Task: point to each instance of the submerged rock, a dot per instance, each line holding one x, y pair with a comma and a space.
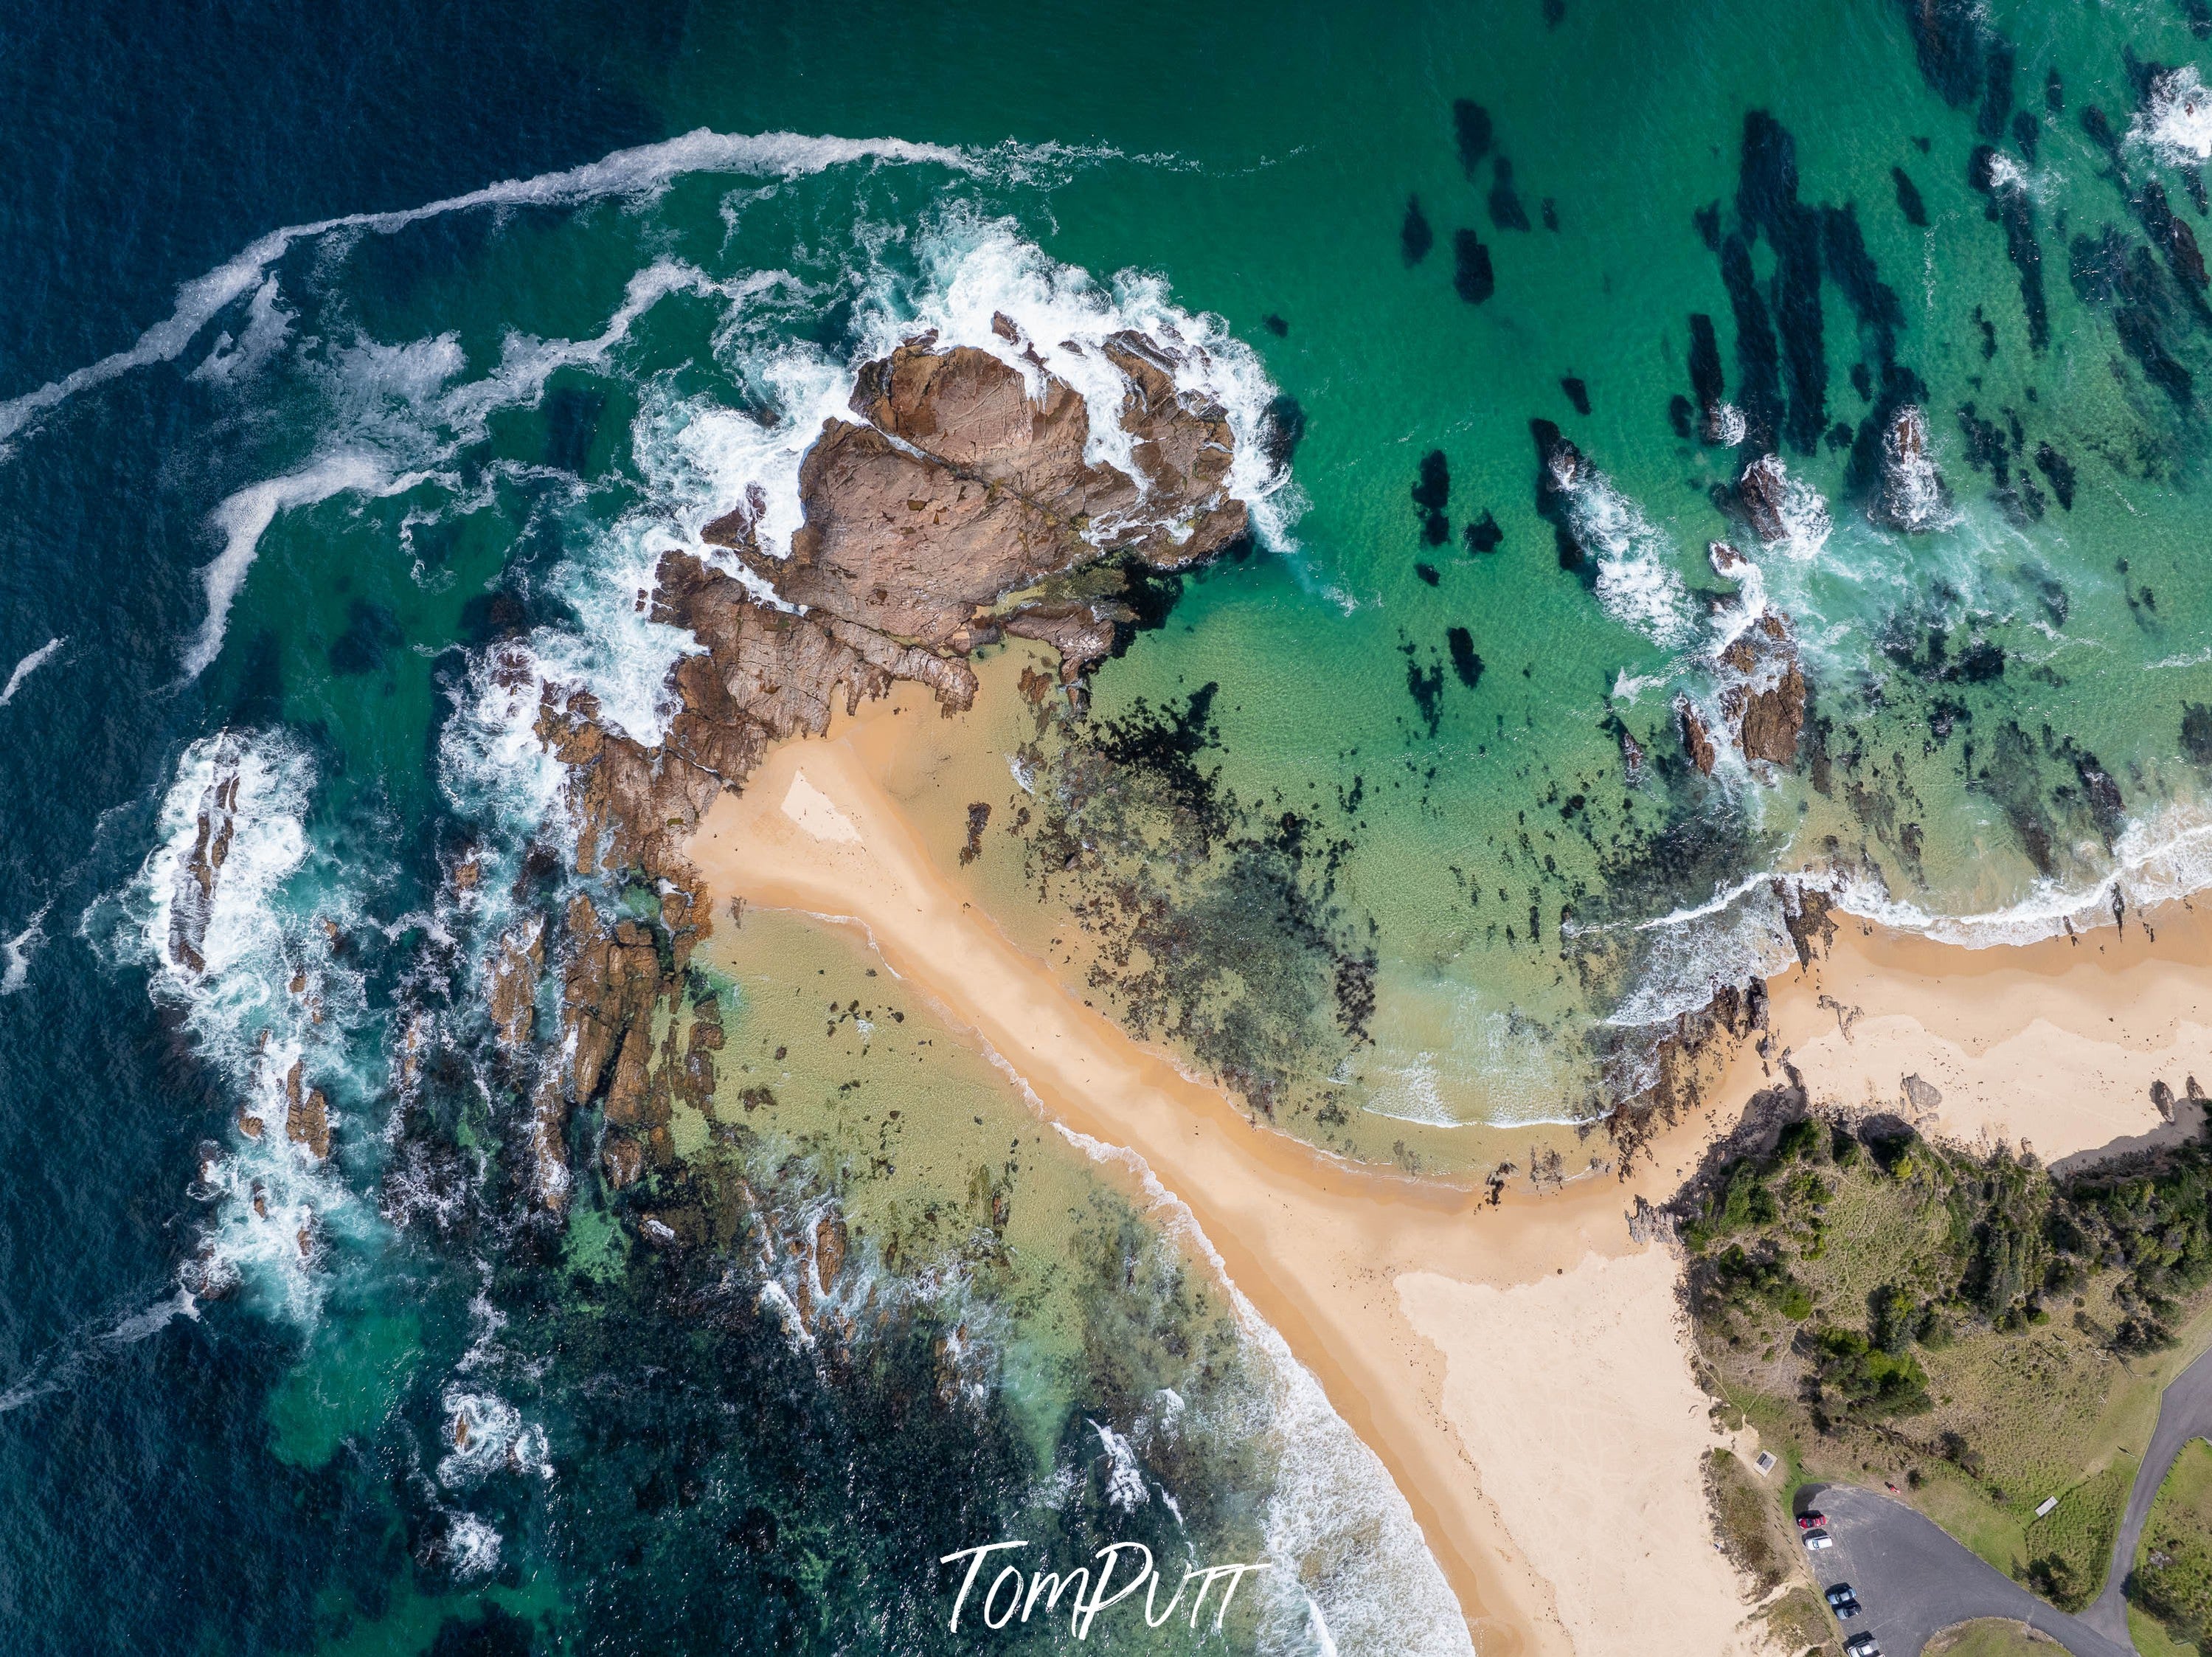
1913, 497
1762, 493
192, 905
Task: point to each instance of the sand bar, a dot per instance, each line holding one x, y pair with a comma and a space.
1523, 1371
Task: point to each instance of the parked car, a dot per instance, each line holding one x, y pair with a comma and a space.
1809, 1518
1861, 1645
1844, 1601
1816, 1540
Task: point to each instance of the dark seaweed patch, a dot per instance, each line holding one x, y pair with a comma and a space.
1465, 662
2179, 242
2196, 731
1767, 200
1429, 572
2027, 132
1908, 199
1680, 412
1758, 358
1953, 44
1472, 279
1414, 237
2198, 14
1873, 301
1215, 923
1577, 393
1555, 12
2011, 208
1997, 63
1426, 686
1275, 325
572, 421
1557, 459
373, 633
2054, 93
1708, 221
1471, 132
1431, 495
1282, 428
2111, 271
1505, 210
1549, 211
2059, 471
1484, 535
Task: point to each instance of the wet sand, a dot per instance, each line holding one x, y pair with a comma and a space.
1521, 1370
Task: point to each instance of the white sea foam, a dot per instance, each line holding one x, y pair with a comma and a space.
1805, 518
976, 269
1912, 493
486, 1435
642, 171
270, 993
1636, 581
243, 518
2156, 859
1349, 1554
18, 950
29, 665
2177, 117
472, 1547
267, 325
1125, 1491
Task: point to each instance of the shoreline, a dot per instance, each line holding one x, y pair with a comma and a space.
1420, 1306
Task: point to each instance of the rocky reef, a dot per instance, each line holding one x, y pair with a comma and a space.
965, 501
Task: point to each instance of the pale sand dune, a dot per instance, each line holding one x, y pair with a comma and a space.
1517, 1369
1573, 1393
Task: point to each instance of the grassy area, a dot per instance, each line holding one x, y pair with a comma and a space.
1991, 1636
2173, 1582
1800, 1626
1888, 1310
1746, 1522
2152, 1638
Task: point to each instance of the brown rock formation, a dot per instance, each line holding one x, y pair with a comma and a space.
1760, 493
515, 970
307, 1115
1697, 741
959, 507
1913, 496
1766, 702
192, 905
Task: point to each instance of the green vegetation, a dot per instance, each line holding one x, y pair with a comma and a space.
1746, 1522
2173, 1577
1800, 1624
1992, 1636
1962, 1327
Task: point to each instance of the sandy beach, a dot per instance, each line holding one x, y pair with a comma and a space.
1521, 1370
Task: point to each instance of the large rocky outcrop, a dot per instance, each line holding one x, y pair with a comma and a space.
192, 906
964, 501
1765, 699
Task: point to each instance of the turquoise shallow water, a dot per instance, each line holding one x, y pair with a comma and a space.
362, 452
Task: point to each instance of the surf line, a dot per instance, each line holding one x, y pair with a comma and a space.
1087, 1599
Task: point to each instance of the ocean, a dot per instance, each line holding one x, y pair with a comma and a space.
348, 351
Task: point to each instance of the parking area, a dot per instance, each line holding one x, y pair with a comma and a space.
1913, 1580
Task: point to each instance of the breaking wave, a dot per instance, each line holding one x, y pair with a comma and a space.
2177, 117
1353, 1570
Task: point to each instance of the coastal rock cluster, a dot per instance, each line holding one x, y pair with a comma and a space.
966, 501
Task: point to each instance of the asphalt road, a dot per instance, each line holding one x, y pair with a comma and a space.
1914, 1581
2183, 1413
